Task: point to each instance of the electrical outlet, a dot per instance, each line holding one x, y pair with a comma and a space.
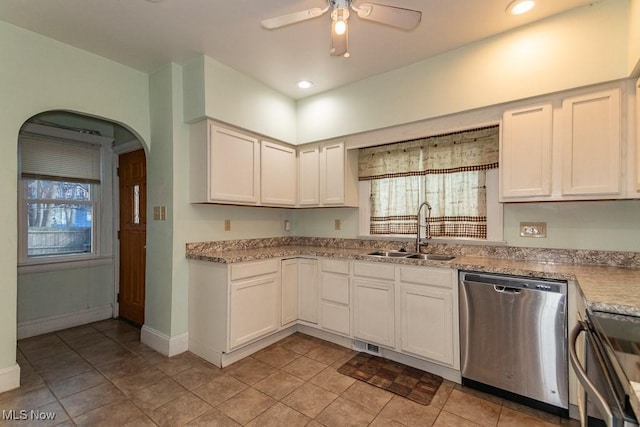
287, 225
337, 224
533, 229
227, 225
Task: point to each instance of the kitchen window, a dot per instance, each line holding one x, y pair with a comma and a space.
59, 192
456, 173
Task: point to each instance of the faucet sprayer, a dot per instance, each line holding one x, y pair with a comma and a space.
428, 234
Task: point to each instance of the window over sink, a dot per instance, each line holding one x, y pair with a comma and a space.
456, 173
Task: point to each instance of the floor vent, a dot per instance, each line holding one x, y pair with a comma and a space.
366, 347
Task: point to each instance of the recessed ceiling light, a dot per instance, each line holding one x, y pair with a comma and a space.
518, 7
305, 84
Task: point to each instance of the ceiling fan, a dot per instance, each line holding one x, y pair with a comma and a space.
398, 17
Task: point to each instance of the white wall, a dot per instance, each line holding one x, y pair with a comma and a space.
37, 75
215, 90
578, 48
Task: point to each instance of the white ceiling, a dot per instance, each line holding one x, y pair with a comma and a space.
145, 35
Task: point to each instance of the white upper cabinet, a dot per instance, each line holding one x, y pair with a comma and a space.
525, 151
234, 167
278, 174
569, 148
309, 176
327, 175
591, 154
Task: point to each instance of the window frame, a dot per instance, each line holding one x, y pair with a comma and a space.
101, 194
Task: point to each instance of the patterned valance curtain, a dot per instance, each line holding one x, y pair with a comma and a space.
448, 171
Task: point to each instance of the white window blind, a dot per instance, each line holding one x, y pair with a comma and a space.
45, 158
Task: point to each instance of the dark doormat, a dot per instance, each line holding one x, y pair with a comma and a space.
405, 381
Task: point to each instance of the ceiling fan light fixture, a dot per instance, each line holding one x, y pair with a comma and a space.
339, 17
519, 7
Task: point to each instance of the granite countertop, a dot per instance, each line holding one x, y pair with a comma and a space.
605, 288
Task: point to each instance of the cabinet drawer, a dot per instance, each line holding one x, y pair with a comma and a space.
335, 318
335, 266
441, 277
334, 288
375, 270
251, 269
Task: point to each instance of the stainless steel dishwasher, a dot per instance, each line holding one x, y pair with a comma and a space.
513, 338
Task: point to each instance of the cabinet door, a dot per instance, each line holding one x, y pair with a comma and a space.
308, 295
427, 323
373, 312
234, 166
335, 313
290, 280
332, 174
254, 309
525, 150
591, 144
309, 176
277, 174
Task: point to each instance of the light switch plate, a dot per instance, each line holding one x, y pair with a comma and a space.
533, 229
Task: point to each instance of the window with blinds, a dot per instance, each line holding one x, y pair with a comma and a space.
59, 181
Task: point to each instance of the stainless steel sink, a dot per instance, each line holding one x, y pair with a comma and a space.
393, 254
432, 257
410, 255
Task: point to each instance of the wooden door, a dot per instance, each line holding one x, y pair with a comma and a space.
132, 173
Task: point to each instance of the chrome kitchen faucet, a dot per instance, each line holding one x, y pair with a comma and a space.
428, 235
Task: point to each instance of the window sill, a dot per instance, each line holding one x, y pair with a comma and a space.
47, 265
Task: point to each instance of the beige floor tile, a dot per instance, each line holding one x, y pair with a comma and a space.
443, 393
51, 414
545, 416
90, 399
512, 418
180, 411
213, 418
280, 415
332, 380
299, 343
156, 395
249, 370
114, 414
366, 395
304, 368
219, 389
473, 408
41, 347
486, 396
327, 354
446, 419
309, 399
73, 385
278, 385
76, 332
381, 421
144, 378
409, 413
246, 405
276, 356
177, 364
345, 413
105, 353
123, 368
197, 375
106, 324
91, 339
19, 398
29, 378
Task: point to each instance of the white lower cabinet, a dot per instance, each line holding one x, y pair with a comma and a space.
428, 310
308, 290
374, 303
290, 290
335, 314
254, 309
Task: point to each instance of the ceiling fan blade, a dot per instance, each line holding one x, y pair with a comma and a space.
340, 43
406, 19
292, 18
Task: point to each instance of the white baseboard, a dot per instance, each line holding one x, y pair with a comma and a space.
31, 328
164, 344
9, 378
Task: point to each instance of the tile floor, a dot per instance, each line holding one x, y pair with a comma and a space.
101, 375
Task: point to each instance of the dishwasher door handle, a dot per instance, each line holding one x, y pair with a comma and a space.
580, 372
504, 289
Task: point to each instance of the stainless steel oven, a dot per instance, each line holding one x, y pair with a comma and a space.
603, 370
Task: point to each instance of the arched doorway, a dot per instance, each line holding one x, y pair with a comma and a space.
73, 281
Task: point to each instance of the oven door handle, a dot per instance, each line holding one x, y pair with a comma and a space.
591, 390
